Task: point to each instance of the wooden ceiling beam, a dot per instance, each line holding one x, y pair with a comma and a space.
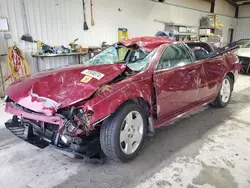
231, 2
210, 1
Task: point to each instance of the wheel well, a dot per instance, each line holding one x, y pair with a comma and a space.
138, 100
143, 103
231, 75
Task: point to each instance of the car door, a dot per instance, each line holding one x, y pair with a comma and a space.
175, 81
214, 72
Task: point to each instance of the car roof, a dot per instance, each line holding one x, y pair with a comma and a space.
147, 43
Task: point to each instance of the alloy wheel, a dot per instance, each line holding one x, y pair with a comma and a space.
131, 132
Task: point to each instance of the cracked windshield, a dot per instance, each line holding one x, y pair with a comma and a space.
136, 60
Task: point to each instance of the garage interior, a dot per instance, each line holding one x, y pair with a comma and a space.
207, 148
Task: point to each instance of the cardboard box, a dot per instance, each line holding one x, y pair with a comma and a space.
204, 32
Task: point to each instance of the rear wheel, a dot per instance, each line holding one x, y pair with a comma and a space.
122, 134
224, 95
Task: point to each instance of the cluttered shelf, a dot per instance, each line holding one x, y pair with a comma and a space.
73, 49
58, 55
174, 24
187, 34
179, 31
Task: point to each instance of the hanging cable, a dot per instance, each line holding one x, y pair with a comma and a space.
18, 64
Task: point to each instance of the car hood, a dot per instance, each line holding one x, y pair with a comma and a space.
243, 52
47, 91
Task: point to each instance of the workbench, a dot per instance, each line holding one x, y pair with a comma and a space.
37, 57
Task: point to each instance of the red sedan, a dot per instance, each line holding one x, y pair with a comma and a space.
121, 95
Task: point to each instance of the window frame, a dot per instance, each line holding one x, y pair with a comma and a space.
184, 47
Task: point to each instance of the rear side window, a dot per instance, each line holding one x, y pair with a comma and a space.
174, 56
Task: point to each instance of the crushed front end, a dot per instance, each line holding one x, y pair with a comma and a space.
67, 130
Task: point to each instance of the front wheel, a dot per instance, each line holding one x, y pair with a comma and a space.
225, 93
121, 136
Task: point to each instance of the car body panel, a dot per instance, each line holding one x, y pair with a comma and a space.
48, 91
180, 114
10, 108
107, 102
146, 43
175, 94
213, 74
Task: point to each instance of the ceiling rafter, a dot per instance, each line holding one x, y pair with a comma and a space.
231, 2
210, 1
234, 3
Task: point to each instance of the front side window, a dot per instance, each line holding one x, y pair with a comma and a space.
174, 56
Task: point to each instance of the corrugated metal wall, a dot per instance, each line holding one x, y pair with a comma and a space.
243, 24
47, 21
58, 22
243, 28
244, 11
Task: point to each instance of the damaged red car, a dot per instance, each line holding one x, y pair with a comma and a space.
109, 104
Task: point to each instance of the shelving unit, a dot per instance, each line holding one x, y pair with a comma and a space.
213, 33
176, 27
204, 37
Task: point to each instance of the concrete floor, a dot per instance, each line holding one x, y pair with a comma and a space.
209, 148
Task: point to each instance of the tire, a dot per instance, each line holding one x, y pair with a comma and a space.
221, 102
114, 129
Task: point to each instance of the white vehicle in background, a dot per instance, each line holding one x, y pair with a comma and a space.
244, 54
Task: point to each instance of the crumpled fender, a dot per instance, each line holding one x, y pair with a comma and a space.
106, 103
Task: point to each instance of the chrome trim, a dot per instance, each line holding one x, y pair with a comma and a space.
100, 120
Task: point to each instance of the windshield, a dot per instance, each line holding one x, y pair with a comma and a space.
135, 59
107, 56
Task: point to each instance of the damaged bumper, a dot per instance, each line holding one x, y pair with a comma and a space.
43, 131
12, 109
30, 132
